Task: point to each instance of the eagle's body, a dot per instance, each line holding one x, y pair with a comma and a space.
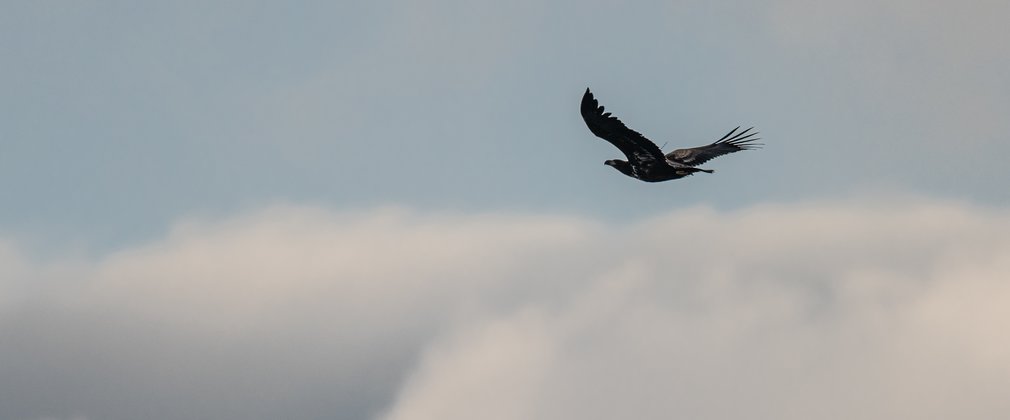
654, 173
645, 160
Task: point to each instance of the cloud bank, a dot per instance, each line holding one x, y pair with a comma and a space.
856, 308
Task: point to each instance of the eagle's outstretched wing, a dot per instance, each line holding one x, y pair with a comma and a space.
727, 144
639, 150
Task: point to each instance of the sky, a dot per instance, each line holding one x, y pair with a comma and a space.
393, 210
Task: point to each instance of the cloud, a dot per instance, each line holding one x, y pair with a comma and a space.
857, 308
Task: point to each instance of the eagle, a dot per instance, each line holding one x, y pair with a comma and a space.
646, 161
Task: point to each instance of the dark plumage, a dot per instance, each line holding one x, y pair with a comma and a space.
645, 160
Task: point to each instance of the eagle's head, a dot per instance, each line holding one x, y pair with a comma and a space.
623, 166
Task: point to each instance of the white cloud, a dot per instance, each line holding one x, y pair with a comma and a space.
846, 309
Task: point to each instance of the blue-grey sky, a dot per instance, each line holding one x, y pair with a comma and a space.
393, 210
119, 118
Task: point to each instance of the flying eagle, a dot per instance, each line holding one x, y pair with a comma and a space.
645, 160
